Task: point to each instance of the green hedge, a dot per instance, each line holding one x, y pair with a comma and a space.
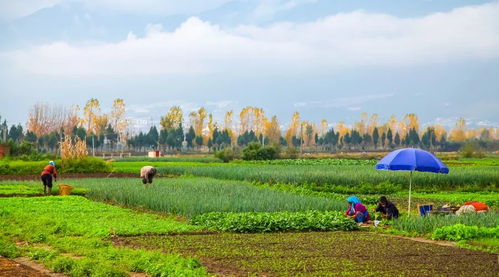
86, 165
171, 159
262, 222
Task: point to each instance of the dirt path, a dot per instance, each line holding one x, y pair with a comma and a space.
420, 239
27, 177
321, 254
10, 268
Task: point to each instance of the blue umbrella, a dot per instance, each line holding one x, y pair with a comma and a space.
412, 159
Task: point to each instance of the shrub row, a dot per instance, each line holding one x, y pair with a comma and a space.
262, 222
255, 151
314, 162
171, 159
85, 165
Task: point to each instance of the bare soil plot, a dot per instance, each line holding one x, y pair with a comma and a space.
320, 254
9, 268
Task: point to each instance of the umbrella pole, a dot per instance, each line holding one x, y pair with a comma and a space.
410, 187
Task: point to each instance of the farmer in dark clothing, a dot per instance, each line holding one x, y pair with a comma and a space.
147, 173
387, 208
47, 173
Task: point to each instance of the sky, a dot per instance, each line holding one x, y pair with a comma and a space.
326, 59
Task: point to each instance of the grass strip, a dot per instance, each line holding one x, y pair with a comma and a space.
71, 235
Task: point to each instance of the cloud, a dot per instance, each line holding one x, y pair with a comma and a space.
12, 9
343, 102
266, 9
300, 104
485, 123
471, 122
143, 116
161, 108
447, 122
168, 7
346, 40
220, 104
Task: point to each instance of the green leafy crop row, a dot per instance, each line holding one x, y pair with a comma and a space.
426, 225
253, 222
460, 232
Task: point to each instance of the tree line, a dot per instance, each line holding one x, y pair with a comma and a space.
48, 124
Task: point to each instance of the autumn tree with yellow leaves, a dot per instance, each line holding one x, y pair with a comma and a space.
118, 119
173, 119
44, 119
293, 129
363, 135
252, 119
458, 134
273, 130
92, 115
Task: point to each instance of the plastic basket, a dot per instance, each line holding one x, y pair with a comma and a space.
65, 189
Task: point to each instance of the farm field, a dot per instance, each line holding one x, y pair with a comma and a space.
248, 218
341, 175
69, 234
329, 177
190, 196
249, 138
320, 254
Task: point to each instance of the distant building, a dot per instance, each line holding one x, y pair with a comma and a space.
154, 154
4, 150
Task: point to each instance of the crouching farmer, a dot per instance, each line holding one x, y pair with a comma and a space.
387, 208
47, 173
147, 173
356, 210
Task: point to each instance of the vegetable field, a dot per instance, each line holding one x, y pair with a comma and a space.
353, 175
282, 217
194, 196
321, 254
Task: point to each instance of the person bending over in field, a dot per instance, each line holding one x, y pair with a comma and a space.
387, 208
47, 173
147, 173
356, 210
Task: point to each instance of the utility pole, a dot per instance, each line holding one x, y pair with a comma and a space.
5, 133
301, 138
